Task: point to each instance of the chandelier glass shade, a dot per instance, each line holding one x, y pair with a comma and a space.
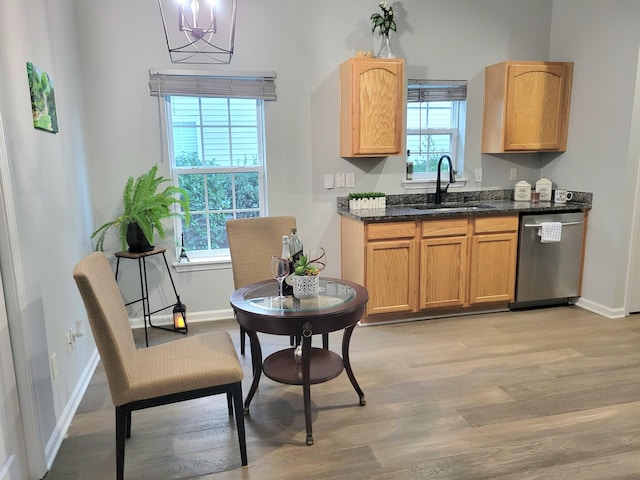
199, 31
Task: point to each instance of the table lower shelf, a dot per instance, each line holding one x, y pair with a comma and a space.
282, 367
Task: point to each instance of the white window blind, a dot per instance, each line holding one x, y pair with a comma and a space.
436, 90
435, 124
198, 84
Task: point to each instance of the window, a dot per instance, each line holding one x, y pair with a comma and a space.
215, 144
436, 113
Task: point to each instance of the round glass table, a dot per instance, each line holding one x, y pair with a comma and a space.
339, 306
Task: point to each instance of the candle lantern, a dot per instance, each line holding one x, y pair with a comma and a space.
180, 316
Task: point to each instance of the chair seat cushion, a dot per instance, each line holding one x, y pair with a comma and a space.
190, 363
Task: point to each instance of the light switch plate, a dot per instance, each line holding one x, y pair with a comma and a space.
328, 181
478, 174
351, 180
513, 174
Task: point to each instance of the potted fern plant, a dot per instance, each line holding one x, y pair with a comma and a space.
143, 208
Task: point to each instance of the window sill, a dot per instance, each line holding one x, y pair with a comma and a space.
201, 264
431, 184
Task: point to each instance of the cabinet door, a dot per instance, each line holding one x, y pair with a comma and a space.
537, 107
526, 106
390, 276
372, 107
493, 268
443, 272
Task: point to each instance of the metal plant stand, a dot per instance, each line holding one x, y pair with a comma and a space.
144, 289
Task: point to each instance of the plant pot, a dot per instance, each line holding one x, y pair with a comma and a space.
138, 243
306, 286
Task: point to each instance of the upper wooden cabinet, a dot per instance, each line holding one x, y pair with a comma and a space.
526, 106
372, 93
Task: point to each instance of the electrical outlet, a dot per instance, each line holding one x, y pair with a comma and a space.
54, 365
478, 174
340, 182
513, 174
69, 338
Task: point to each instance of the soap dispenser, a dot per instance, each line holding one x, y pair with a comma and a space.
544, 187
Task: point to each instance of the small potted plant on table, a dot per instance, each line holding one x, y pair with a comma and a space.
306, 275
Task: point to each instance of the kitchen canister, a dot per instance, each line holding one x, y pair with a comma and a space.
522, 191
544, 187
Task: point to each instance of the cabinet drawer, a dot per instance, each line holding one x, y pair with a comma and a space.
383, 231
495, 224
444, 228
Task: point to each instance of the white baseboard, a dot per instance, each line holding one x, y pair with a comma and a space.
166, 319
60, 432
600, 309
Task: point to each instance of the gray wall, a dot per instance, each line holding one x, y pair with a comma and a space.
45, 215
99, 54
305, 49
602, 39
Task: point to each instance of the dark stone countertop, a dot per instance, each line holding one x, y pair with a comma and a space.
459, 204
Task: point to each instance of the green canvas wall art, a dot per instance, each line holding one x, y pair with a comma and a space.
43, 101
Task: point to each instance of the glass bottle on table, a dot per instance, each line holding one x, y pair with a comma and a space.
287, 289
295, 251
295, 245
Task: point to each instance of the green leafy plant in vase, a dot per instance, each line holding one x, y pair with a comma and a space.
143, 209
302, 267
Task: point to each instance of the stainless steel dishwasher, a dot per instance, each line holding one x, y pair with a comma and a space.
549, 273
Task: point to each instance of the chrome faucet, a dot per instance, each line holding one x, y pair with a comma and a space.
438, 197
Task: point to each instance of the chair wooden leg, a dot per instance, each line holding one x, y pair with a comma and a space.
128, 434
236, 391
121, 428
230, 403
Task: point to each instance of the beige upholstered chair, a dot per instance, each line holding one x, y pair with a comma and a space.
182, 369
252, 242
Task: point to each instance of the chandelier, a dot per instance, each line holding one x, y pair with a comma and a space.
199, 31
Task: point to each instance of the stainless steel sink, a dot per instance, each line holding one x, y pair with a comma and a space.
461, 207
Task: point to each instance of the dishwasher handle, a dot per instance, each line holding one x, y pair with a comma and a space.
538, 225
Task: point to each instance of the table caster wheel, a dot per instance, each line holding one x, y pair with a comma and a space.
309, 439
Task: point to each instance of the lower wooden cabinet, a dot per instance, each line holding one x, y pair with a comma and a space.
443, 263
390, 276
494, 251
416, 267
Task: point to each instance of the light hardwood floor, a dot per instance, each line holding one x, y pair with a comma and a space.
540, 394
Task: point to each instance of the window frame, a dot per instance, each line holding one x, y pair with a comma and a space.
214, 258
456, 131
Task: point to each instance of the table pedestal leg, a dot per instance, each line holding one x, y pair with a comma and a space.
346, 338
306, 385
256, 362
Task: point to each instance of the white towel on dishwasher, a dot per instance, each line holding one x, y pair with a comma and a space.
550, 232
